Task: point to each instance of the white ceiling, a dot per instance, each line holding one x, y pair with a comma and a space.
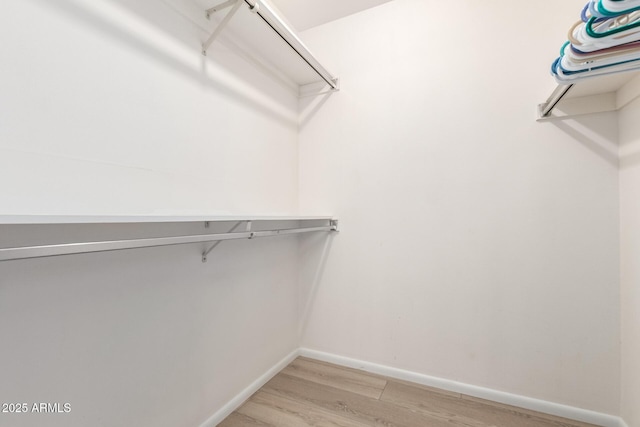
305, 14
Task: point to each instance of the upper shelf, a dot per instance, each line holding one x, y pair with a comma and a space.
124, 219
595, 95
258, 25
45, 248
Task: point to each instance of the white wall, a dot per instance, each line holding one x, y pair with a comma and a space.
630, 265
478, 245
108, 107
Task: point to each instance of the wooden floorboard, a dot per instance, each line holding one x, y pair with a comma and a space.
237, 419
345, 379
440, 406
283, 412
556, 421
372, 412
310, 393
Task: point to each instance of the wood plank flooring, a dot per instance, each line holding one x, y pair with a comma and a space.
319, 394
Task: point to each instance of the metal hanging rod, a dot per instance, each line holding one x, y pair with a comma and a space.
554, 99
271, 18
27, 252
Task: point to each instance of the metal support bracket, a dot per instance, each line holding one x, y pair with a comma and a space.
236, 5
212, 247
219, 7
545, 110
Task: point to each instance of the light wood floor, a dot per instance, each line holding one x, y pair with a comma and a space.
318, 394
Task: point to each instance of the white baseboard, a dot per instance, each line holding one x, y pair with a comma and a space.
237, 401
543, 406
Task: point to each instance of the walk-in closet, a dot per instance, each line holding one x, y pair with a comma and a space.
336, 213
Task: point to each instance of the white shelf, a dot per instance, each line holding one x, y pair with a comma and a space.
125, 219
270, 40
213, 239
594, 95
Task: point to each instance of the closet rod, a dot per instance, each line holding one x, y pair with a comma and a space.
26, 252
288, 35
553, 100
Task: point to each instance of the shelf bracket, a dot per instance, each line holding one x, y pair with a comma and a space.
234, 228
545, 110
236, 5
219, 7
